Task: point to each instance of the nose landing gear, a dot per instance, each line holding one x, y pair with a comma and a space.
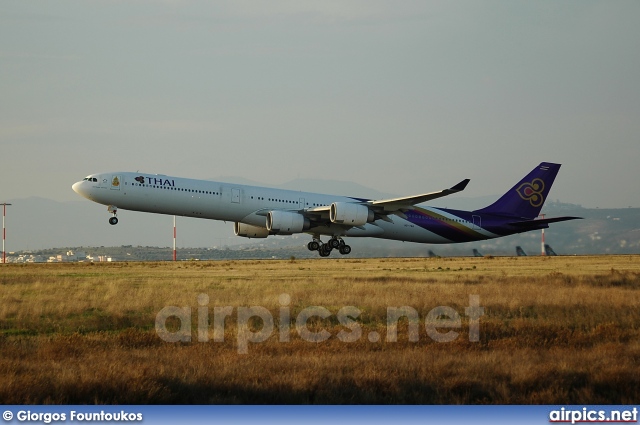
113, 210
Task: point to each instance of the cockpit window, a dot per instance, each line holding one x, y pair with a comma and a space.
90, 179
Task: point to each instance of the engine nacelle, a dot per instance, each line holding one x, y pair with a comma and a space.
286, 223
249, 231
350, 214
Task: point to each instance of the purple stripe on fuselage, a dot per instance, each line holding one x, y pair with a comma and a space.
458, 226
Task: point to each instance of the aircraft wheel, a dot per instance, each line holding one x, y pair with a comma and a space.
334, 243
313, 246
324, 252
113, 221
345, 249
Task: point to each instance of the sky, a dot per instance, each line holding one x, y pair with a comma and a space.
404, 97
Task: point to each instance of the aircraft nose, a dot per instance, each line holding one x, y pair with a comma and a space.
77, 188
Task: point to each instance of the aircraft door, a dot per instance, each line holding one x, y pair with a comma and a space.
477, 222
301, 203
235, 196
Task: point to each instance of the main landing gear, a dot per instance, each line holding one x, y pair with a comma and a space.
113, 210
324, 249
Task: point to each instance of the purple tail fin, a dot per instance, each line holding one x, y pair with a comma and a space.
526, 198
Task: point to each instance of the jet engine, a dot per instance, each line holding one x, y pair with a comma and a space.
249, 231
286, 223
350, 214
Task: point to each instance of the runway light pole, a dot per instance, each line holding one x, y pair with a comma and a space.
174, 239
543, 251
4, 232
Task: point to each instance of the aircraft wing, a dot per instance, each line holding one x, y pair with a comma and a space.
318, 210
399, 204
384, 207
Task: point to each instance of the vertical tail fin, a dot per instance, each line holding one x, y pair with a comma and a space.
526, 198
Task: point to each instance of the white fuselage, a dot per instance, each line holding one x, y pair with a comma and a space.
162, 194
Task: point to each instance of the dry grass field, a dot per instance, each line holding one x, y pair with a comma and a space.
554, 330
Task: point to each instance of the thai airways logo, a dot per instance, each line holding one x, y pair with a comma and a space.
532, 192
155, 181
115, 182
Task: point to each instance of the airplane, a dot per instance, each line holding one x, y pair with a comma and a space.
520, 252
477, 253
258, 212
549, 251
432, 254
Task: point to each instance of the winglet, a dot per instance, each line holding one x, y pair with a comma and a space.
460, 186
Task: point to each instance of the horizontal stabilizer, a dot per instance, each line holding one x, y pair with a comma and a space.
536, 223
